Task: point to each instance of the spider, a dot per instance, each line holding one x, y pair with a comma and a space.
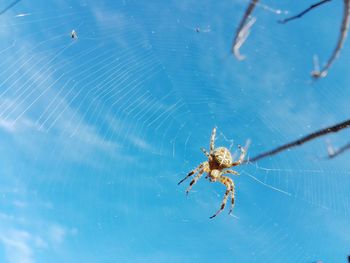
219, 159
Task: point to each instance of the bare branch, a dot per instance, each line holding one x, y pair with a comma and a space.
312, 136
343, 32
245, 25
303, 12
242, 31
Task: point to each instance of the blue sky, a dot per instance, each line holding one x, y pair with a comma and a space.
96, 132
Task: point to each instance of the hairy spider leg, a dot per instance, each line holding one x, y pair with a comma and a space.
199, 167
194, 181
205, 152
229, 188
233, 189
241, 157
231, 172
212, 140
232, 198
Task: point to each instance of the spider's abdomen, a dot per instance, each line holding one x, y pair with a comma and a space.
222, 157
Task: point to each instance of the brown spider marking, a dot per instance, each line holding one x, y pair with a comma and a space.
219, 159
245, 25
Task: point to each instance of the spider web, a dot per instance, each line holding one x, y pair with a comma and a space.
97, 131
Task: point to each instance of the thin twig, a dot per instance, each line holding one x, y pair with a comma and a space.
243, 30
343, 32
303, 12
314, 135
339, 151
9, 6
243, 35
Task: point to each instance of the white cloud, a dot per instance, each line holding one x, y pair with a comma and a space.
140, 143
20, 244
17, 246
21, 125
7, 125
57, 234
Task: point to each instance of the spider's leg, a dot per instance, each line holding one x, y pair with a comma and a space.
231, 172
192, 172
205, 152
212, 140
195, 179
229, 187
232, 198
241, 157
232, 189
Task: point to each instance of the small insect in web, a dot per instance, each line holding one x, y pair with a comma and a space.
219, 159
74, 34
203, 30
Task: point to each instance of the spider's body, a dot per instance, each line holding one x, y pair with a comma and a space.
219, 159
